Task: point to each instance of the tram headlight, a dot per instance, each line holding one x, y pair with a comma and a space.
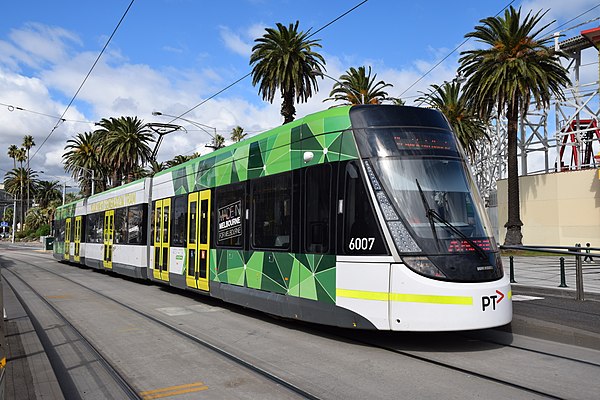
423, 266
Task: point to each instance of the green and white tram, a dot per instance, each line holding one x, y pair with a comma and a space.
359, 216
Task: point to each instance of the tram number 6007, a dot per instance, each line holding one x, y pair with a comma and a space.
361, 243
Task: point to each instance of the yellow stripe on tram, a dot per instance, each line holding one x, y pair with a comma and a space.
432, 299
362, 294
404, 298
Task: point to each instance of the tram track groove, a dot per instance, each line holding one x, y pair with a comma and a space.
457, 369
408, 354
230, 356
64, 379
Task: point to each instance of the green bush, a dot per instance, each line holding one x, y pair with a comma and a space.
43, 230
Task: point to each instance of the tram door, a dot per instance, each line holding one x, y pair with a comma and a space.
67, 238
77, 238
109, 227
162, 221
198, 235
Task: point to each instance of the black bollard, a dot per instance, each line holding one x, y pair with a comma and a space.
512, 269
563, 279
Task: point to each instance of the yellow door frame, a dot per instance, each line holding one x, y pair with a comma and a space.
162, 239
109, 227
77, 238
198, 239
192, 241
67, 238
203, 240
156, 239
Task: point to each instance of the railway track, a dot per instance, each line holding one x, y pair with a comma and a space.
414, 350
69, 386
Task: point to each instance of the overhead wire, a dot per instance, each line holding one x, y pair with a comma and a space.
12, 108
508, 5
61, 118
250, 73
446, 57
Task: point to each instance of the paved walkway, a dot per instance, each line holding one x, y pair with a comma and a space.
544, 272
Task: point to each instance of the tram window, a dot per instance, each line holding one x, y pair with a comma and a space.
361, 230
230, 215
272, 211
95, 227
317, 203
179, 221
120, 226
60, 227
136, 225
165, 224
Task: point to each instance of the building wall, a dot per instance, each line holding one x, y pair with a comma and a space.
556, 209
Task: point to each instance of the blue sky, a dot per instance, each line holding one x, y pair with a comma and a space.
170, 55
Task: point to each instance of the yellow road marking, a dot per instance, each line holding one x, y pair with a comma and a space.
173, 390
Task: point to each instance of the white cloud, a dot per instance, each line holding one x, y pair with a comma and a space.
36, 44
234, 42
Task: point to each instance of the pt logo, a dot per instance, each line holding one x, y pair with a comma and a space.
487, 301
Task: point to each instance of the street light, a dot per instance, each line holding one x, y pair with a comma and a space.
356, 93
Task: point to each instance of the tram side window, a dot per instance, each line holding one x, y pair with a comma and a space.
179, 221
231, 212
120, 225
272, 212
94, 227
136, 224
60, 230
361, 229
317, 203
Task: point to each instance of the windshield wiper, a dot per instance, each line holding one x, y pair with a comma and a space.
433, 215
428, 214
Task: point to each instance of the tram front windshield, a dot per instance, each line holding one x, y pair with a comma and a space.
424, 174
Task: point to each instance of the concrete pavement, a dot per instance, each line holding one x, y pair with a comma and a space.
543, 272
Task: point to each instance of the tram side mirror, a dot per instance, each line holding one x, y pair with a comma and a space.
308, 156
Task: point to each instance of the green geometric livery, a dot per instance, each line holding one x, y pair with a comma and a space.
326, 135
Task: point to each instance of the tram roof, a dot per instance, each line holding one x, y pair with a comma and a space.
330, 112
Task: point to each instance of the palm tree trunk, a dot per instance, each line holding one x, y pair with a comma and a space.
287, 106
28, 183
513, 225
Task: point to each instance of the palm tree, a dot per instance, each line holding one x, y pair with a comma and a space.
21, 156
84, 152
15, 180
218, 142
283, 60
237, 134
465, 123
357, 86
47, 192
36, 217
125, 145
515, 66
13, 150
28, 143
154, 167
178, 159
